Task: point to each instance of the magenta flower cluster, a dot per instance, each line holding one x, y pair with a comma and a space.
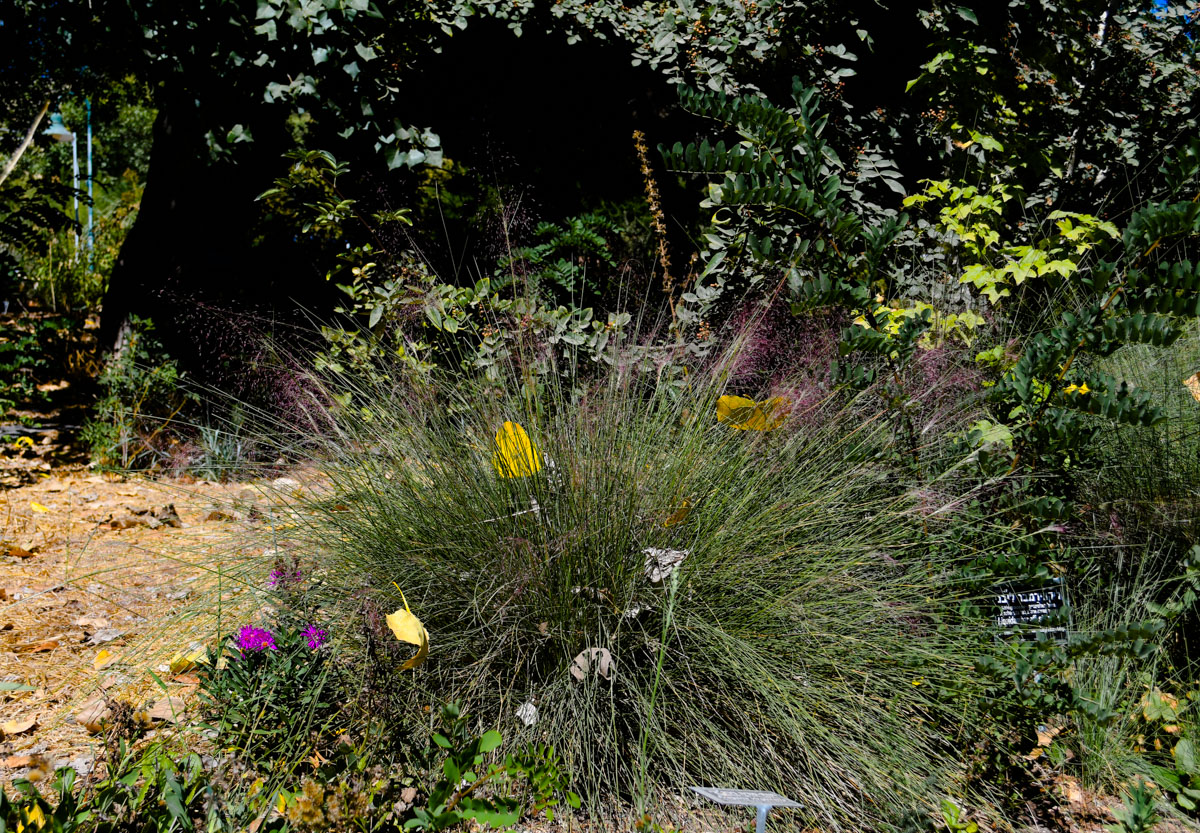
282, 578
316, 637
252, 640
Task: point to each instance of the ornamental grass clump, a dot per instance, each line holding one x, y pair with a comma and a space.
671, 587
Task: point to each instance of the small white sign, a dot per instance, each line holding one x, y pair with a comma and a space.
745, 798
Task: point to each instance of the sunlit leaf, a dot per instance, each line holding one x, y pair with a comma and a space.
747, 415
515, 454
408, 628
1192, 383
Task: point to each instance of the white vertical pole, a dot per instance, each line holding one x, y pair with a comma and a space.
91, 242
75, 196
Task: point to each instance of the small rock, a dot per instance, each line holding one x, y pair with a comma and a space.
126, 522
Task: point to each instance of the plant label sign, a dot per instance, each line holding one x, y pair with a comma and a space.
761, 800
1022, 610
745, 798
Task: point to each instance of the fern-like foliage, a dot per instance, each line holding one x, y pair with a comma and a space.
30, 213
786, 215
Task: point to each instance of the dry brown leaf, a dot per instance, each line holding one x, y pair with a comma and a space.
94, 623
94, 715
38, 646
600, 658
168, 709
1192, 383
1071, 789
16, 761
17, 727
15, 551
1046, 735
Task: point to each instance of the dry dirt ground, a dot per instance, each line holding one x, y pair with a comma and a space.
91, 566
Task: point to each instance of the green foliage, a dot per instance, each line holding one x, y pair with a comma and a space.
952, 816
558, 266
141, 394
149, 791
1138, 815
396, 308
994, 268
456, 796
25, 350
1044, 401
1072, 102
782, 207
264, 703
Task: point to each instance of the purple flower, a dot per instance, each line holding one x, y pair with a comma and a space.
315, 636
282, 578
252, 640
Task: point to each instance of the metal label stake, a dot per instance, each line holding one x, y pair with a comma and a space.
761, 800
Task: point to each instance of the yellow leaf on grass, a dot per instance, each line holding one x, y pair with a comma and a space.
104, 659
1192, 383
408, 628
23, 442
37, 507
679, 515
515, 454
185, 661
747, 415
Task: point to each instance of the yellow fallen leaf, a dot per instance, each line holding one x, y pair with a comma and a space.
104, 659
26, 442
1192, 383
186, 660
747, 415
16, 727
515, 454
37, 507
408, 628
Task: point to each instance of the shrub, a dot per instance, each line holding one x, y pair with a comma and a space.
667, 596
140, 395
